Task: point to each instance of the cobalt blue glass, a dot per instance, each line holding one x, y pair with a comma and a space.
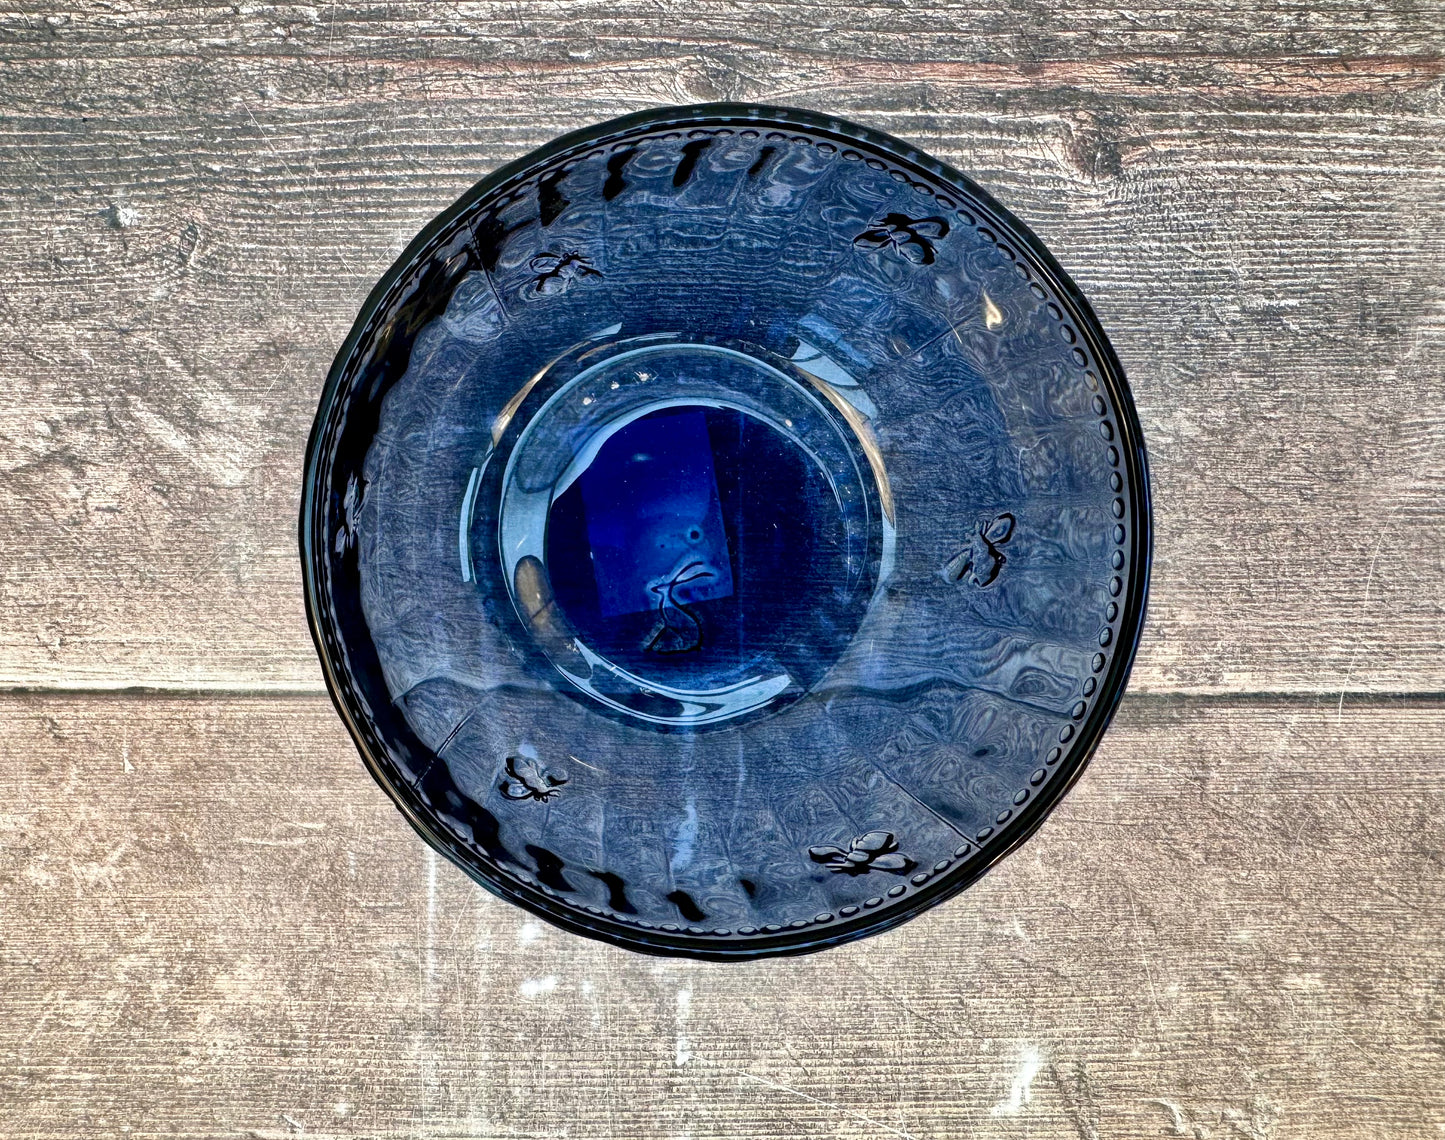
726, 532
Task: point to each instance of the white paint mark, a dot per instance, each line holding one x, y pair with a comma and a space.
1022, 1092
683, 1053
529, 932
342, 1108
1176, 1114
293, 1124
125, 764
121, 216
536, 987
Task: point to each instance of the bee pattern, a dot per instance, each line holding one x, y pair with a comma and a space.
528, 780
872, 851
678, 629
981, 560
558, 272
350, 514
910, 238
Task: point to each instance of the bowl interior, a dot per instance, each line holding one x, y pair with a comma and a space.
726, 532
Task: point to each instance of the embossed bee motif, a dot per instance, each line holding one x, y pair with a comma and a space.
678, 629
980, 561
528, 780
350, 514
873, 851
558, 272
911, 238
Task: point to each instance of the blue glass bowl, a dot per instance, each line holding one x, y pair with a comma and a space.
726, 532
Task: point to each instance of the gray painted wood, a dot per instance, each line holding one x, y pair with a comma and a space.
213, 923
196, 202
216, 925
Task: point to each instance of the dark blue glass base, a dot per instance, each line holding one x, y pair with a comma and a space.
726, 532
702, 546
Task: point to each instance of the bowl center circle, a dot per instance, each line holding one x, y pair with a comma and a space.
691, 532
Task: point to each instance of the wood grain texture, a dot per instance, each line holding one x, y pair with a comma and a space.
905, 30
216, 925
195, 201
212, 923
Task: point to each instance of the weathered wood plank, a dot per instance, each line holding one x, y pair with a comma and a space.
532, 30
193, 203
1271, 282
214, 924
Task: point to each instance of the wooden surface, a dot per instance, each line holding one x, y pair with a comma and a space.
213, 924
